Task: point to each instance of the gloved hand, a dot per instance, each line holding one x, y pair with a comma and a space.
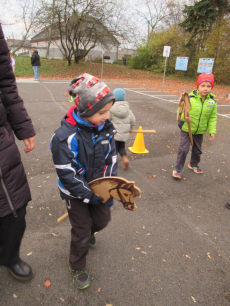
96, 199
109, 203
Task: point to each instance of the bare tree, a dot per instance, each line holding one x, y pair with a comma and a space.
23, 15
80, 25
152, 13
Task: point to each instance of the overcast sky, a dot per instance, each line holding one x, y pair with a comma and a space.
13, 26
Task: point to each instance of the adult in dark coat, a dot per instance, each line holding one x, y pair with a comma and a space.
35, 62
14, 188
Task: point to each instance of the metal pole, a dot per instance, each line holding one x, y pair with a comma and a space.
102, 65
165, 68
215, 61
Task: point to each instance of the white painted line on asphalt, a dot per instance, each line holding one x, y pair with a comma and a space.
135, 88
56, 82
150, 91
52, 97
27, 81
150, 96
164, 95
224, 115
156, 97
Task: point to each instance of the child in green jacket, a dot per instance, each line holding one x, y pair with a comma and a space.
202, 117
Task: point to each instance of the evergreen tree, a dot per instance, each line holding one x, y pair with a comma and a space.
200, 17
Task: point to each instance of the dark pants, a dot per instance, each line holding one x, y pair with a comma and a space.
120, 147
11, 232
184, 149
85, 219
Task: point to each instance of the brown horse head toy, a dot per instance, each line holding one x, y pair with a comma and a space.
113, 187
117, 188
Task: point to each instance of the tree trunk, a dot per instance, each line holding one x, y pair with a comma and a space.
76, 59
69, 61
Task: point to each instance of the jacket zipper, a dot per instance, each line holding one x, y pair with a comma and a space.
200, 117
7, 194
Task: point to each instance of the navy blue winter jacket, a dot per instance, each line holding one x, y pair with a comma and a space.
82, 153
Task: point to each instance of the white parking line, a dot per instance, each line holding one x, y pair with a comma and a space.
56, 82
150, 95
164, 95
224, 115
171, 101
150, 91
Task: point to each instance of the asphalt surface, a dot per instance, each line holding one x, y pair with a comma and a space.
173, 250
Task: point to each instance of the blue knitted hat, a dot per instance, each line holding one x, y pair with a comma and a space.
119, 94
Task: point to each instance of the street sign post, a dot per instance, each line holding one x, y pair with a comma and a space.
166, 54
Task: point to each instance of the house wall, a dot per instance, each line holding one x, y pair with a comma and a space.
54, 51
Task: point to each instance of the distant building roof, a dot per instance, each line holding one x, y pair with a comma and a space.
44, 35
13, 43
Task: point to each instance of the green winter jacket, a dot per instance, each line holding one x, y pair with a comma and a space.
203, 114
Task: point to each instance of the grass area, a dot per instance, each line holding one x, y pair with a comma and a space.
59, 69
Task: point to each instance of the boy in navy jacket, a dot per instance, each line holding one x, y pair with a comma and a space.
83, 149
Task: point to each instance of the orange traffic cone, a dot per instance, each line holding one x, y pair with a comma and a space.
139, 144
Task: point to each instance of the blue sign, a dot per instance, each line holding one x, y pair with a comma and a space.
182, 63
205, 65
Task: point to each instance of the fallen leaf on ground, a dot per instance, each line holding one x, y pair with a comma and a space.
193, 299
208, 254
15, 296
62, 300
99, 290
55, 235
151, 176
47, 283
143, 252
29, 254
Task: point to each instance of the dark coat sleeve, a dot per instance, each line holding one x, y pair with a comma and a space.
17, 115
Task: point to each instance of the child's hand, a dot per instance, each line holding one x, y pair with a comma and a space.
96, 199
109, 203
30, 144
212, 136
187, 118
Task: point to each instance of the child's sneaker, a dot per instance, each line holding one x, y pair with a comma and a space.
92, 242
177, 174
80, 278
196, 169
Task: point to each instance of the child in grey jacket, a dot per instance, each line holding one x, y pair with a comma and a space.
123, 120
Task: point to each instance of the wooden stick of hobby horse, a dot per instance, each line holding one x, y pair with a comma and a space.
142, 131
190, 131
62, 218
